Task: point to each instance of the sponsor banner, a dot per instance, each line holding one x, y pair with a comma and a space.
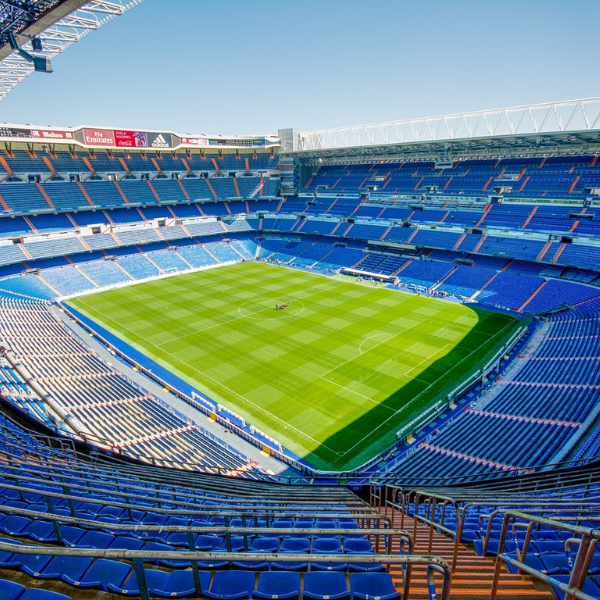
159, 141
47, 134
11, 132
237, 143
194, 141
131, 139
98, 137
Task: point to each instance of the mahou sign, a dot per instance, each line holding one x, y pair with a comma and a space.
46, 134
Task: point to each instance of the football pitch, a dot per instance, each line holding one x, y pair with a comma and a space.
332, 377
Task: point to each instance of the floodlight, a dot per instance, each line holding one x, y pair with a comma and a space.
41, 64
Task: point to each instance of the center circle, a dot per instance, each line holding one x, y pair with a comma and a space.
267, 309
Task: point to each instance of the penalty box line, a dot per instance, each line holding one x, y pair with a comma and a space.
418, 395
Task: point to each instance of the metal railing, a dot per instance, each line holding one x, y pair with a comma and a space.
587, 540
545, 493
433, 564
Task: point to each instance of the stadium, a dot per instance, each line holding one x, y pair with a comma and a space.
356, 362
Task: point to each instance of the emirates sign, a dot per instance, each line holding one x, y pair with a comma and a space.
99, 137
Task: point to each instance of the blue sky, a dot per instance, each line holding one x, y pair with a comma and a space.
253, 66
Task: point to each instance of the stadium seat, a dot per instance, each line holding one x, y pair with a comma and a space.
154, 580
230, 585
365, 586
273, 585
261, 546
328, 546
181, 584
9, 590
293, 545
325, 586
102, 574
74, 566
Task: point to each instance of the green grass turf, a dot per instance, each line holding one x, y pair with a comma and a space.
333, 377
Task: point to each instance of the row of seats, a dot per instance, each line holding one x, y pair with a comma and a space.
563, 177
528, 415
93, 493
222, 584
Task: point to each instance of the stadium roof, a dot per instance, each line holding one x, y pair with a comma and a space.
58, 23
545, 128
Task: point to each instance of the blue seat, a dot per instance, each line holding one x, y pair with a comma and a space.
112, 512
361, 546
154, 579
88, 509
213, 564
273, 585
177, 538
325, 586
261, 546
9, 590
589, 587
71, 535
33, 564
372, 585
349, 524
278, 524
326, 524
509, 546
293, 545
230, 585
153, 519
101, 574
41, 531
303, 524
556, 564
548, 547
74, 566
126, 543
208, 543
156, 547
9, 559
181, 583
545, 536
33, 594
328, 546
14, 525
95, 539
531, 560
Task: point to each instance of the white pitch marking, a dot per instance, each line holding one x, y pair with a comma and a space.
418, 395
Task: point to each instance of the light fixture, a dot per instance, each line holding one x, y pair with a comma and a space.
41, 64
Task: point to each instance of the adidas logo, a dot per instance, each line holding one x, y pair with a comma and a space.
160, 142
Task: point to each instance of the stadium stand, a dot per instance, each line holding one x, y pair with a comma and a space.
531, 251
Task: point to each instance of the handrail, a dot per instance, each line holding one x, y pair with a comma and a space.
493, 486
215, 512
461, 505
436, 564
589, 539
100, 487
389, 533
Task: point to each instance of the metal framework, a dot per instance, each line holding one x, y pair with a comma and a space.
568, 116
15, 16
56, 29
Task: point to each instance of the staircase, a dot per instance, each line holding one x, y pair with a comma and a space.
473, 577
